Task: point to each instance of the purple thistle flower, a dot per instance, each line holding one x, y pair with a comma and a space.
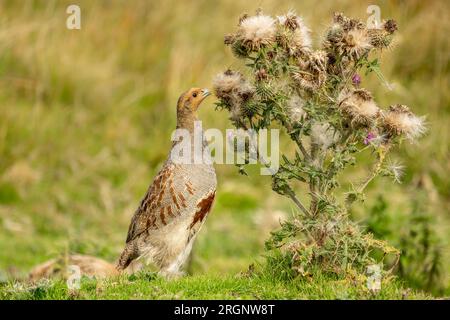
370, 136
356, 79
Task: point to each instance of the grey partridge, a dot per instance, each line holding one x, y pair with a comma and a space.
165, 225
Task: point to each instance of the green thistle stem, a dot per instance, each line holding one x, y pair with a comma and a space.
290, 193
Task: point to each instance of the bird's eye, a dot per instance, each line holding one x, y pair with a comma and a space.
194, 94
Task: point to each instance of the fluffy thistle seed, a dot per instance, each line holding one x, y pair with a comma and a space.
359, 107
396, 169
399, 120
347, 38
318, 60
293, 34
301, 38
256, 32
294, 108
232, 88
335, 34
323, 135
245, 91
356, 43
226, 83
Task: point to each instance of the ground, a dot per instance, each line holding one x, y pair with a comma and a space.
148, 286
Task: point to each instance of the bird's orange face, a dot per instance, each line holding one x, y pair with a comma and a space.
191, 99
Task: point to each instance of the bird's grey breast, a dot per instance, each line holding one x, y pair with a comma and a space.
199, 171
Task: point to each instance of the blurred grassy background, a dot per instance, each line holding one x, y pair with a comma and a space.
86, 117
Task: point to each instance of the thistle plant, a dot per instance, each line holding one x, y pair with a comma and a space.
315, 95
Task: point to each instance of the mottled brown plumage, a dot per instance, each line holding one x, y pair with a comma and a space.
175, 206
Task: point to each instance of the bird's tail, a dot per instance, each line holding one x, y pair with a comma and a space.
128, 255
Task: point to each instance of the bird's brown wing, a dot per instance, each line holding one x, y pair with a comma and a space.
161, 204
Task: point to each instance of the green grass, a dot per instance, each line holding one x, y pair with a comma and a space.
148, 286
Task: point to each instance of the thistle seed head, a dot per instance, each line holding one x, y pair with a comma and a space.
256, 32
334, 35
382, 37
347, 37
359, 107
226, 83
355, 43
293, 34
234, 90
399, 120
244, 92
311, 73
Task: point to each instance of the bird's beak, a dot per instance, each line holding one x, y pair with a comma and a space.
205, 93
